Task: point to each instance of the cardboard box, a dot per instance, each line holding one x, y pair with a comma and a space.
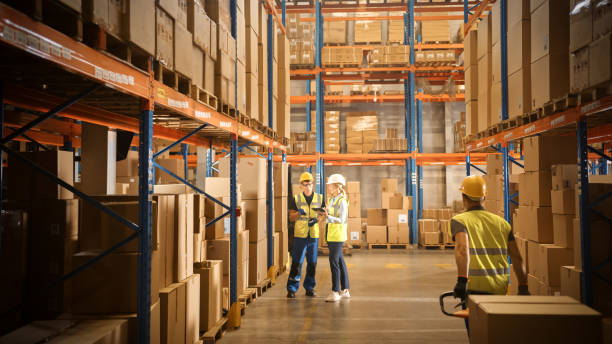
376, 234
519, 92
396, 217
258, 261
571, 284
538, 221
429, 238
219, 250
564, 176
173, 313
523, 250
392, 200
354, 230
518, 10
541, 152
399, 234
252, 176
255, 212
550, 259
110, 285
549, 30
470, 44
581, 26
354, 201
376, 217
484, 37
471, 83
579, 70
602, 19
563, 202
533, 285
210, 292
283, 248
600, 54
353, 187
164, 38
280, 214
428, 226
549, 78
533, 254
550, 323
388, 185
563, 230
192, 308
534, 188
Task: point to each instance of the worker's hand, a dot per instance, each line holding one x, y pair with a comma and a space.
460, 290
302, 212
312, 222
523, 290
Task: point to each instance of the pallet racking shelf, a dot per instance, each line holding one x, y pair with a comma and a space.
42, 68
589, 122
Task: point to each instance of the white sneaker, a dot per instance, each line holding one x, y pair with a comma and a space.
345, 294
333, 297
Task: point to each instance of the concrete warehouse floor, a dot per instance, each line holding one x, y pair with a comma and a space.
394, 300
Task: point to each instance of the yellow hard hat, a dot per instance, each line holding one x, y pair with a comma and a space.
306, 176
474, 187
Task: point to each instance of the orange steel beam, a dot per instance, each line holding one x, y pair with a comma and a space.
383, 98
477, 14
315, 70
418, 46
419, 7
38, 101
40, 40
566, 118
425, 157
416, 18
65, 127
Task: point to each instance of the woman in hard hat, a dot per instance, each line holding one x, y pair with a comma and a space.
303, 211
336, 216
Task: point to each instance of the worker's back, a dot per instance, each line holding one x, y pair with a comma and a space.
488, 236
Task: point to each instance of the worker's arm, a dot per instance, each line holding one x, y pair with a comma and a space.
517, 263
462, 254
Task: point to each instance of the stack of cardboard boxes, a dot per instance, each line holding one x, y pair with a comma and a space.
252, 33
549, 51
519, 58
396, 30
204, 47
484, 50
589, 44
301, 38
361, 131
459, 134
494, 201
281, 226
354, 216
343, 56
332, 131
470, 65
368, 31
434, 228
534, 224
389, 55
282, 115
225, 74
335, 31
389, 224
435, 30
391, 143
303, 143
262, 61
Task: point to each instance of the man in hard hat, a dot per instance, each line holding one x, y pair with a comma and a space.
483, 242
303, 211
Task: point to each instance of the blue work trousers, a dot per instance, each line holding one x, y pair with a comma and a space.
303, 247
339, 273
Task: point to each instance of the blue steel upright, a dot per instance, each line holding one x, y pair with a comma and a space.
320, 167
585, 214
1, 162
503, 41
420, 147
270, 205
233, 176
308, 108
506, 173
145, 190
409, 105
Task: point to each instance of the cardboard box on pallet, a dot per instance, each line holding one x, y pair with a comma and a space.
429, 238
563, 201
579, 70
399, 234
173, 313
564, 176
534, 188
549, 30
210, 292
354, 231
192, 308
388, 185
484, 91
571, 284
283, 248
541, 152
138, 28
354, 201
257, 261
600, 54
376, 234
164, 38
280, 214
519, 92
377, 217
549, 78
563, 230
550, 260
255, 212
396, 216
602, 18
538, 223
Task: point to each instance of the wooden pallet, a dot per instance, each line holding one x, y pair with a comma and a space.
594, 93
342, 65
367, 43
115, 47
248, 295
432, 247
449, 246
301, 66
270, 133
227, 109
244, 119
357, 246
510, 123
284, 141
262, 287
203, 96
257, 126
172, 79
389, 246
216, 332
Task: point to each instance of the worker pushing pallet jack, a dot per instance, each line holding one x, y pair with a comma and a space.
483, 242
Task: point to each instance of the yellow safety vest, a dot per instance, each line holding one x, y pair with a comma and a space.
488, 239
301, 224
337, 232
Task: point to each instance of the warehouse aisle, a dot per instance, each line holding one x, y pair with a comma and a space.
394, 299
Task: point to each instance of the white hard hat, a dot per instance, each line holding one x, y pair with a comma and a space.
336, 179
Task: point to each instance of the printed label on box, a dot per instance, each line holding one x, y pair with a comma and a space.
354, 235
402, 218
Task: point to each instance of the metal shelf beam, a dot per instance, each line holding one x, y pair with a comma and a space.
383, 98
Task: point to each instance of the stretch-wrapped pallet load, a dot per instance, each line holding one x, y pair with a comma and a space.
361, 131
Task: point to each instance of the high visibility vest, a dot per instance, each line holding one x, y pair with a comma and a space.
301, 224
337, 232
488, 240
